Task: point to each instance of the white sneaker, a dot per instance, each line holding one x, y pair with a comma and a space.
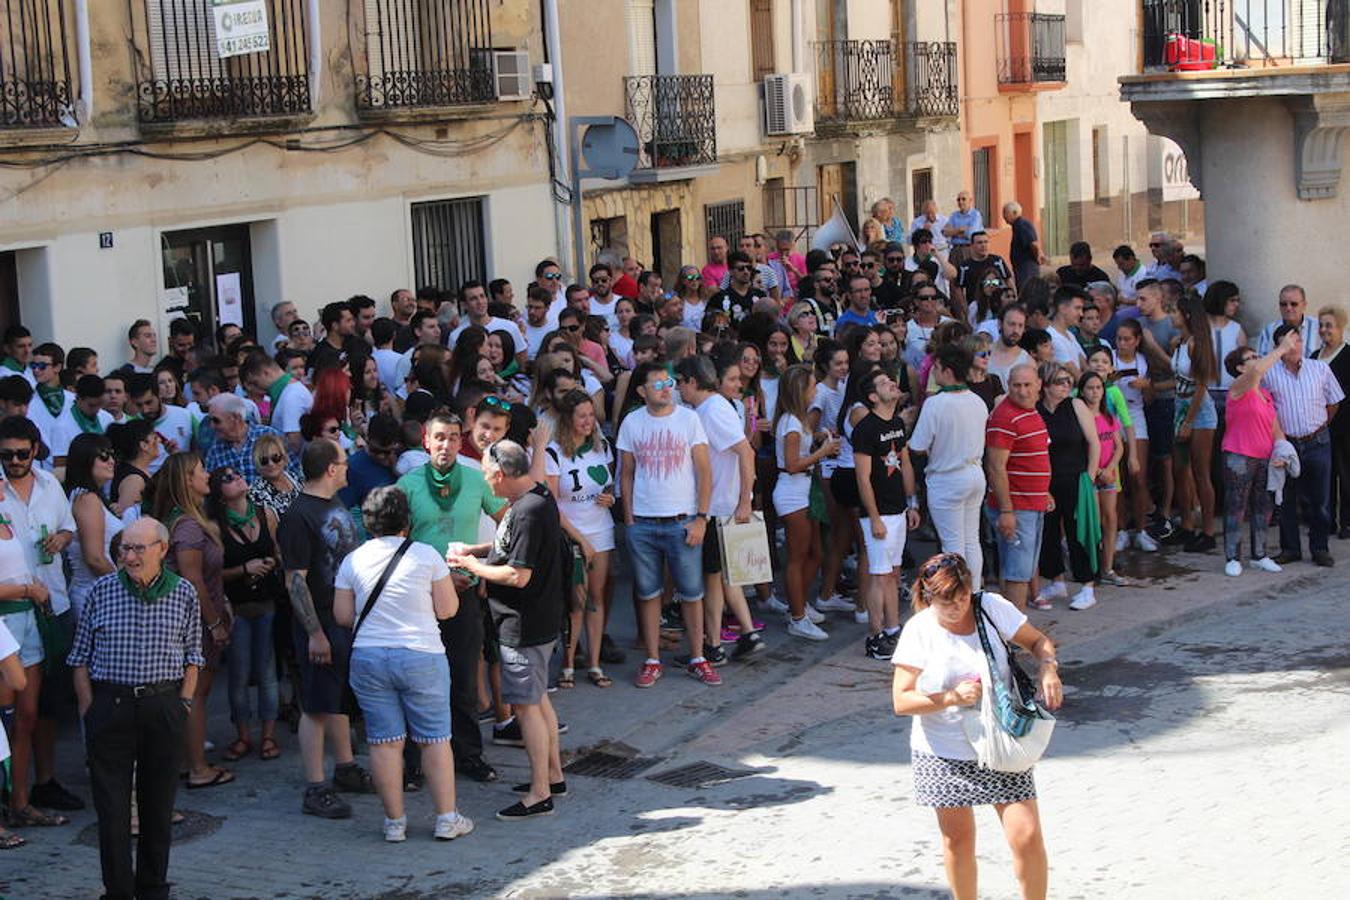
835, 603
396, 830
1122, 541
1055, 590
815, 615
451, 826
1084, 599
1233, 568
1266, 564
1144, 541
776, 603
860, 616
805, 628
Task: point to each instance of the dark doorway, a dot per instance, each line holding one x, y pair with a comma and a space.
215, 268
667, 246
9, 290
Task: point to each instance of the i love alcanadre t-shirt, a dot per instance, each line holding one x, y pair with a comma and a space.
663, 464
582, 478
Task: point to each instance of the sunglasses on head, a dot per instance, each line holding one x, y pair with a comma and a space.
946, 561
497, 403
10, 455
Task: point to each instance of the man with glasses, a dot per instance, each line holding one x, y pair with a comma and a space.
447, 499
548, 276
1160, 269
300, 337
961, 224
926, 255
136, 655
667, 491
859, 310
971, 270
234, 437
602, 293
927, 317
315, 535
1293, 312
740, 294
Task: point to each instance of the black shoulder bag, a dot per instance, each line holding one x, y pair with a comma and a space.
379, 585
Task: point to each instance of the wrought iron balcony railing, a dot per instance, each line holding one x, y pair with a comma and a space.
35, 88
1030, 48
426, 54
675, 118
188, 79
1208, 34
868, 80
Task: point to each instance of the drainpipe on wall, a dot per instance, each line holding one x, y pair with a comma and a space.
796, 35
558, 133
315, 53
84, 62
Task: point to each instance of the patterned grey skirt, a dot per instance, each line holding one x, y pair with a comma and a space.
945, 783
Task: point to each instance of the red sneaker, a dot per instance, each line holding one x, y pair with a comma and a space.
704, 672
648, 675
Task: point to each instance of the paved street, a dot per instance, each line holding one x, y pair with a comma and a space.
1202, 754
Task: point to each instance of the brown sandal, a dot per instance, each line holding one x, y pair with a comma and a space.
10, 841
238, 750
598, 677
269, 748
28, 817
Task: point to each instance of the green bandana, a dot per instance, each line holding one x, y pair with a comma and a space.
443, 487
244, 519
511, 370
54, 398
949, 388
12, 364
155, 590
87, 425
274, 392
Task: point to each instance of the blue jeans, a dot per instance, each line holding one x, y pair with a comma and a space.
253, 658
656, 544
1312, 490
1017, 558
402, 691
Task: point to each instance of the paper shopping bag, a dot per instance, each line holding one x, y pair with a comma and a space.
745, 551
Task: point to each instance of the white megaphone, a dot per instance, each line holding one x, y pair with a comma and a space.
835, 231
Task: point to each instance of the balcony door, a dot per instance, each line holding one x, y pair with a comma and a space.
640, 16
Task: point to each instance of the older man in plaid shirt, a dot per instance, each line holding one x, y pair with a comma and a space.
137, 651
235, 437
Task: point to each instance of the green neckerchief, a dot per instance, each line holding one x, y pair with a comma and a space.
54, 398
949, 388
587, 447
12, 364
244, 519
87, 425
155, 590
512, 369
443, 487
274, 392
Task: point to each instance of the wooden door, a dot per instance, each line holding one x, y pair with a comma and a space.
1055, 221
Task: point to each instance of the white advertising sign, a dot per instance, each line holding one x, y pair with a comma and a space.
241, 27
1176, 176
229, 300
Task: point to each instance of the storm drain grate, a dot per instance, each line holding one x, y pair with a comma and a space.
698, 775
599, 764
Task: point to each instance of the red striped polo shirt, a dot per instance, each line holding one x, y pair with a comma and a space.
1022, 433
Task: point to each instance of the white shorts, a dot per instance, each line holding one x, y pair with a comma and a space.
791, 493
1138, 422
884, 555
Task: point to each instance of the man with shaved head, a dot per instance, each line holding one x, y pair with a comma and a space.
137, 651
1017, 468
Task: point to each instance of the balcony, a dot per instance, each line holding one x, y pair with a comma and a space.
1030, 51
676, 122
35, 86
425, 56
1189, 35
879, 81
188, 72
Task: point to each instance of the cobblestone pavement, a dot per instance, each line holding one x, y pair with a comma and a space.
1201, 754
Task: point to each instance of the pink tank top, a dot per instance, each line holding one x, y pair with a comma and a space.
1107, 426
1249, 425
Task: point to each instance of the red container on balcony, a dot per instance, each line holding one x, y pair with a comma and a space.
1186, 54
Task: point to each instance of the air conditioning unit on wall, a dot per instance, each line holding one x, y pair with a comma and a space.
512, 78
788, 105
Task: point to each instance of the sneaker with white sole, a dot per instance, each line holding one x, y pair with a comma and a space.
776, 603
1233, 568
1266, 564
1144, 541
815, 615
805, 628
452, 825
1122, 541
1084, 599
860, 616
396, 830
835, 603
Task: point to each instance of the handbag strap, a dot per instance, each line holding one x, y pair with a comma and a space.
379, 585
980, 616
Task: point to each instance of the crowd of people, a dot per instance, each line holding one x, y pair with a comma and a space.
421, 502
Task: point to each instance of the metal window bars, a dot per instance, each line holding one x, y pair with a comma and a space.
35, 83
675, 118
1030, 48
426, 53
1207, 34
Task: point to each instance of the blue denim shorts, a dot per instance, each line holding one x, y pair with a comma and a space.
402, 692
1207, 417
1018, 558
653, 546
24, 627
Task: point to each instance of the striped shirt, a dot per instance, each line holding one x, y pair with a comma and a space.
1312, 341
1022, 433
1302, 397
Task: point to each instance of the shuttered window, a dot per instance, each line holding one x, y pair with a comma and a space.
182, 41
761, 37
641, 18
982, 170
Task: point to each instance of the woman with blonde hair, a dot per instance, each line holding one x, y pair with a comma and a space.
274, 488
197, 554
802, 323
939, 665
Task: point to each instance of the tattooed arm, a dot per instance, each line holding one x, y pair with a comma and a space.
302, 604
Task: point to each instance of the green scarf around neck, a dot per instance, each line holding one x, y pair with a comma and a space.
949, 388
274, 392
87, 425
443, 486
155, 590
54, 398
244, 519
512, 369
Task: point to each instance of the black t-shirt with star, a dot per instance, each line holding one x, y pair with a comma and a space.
735, 305
882, 440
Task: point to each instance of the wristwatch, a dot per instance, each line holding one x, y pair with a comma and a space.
700, 515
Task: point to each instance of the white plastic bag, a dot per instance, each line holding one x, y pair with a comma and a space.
994, 747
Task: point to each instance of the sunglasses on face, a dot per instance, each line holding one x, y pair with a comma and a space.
982, 354
553, 276
1062, 381
741, 267
274, 459
894, 260
333, 429
104, 456
662, 384
227, 477
922, 297
11, 455
1155, 245
39, 366
869, 265
571, 328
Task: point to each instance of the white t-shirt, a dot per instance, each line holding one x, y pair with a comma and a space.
1067, 349
534, 337
403, 615
622, 347
828, 400
951, 431
409, 460
581, 479
174, 424
387, 362
1126, 284
294, 402
599, 308
66, 429
494, 324
693, 315
8, 647
945, 660
663, 473
1004, 370
725, 430
916, 341
792, 491
45, 421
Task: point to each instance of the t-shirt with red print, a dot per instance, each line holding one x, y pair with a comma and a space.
663, 473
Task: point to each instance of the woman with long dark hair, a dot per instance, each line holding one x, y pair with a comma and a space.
1196, 371
89, 470
1222, 300
137, 446
463, 362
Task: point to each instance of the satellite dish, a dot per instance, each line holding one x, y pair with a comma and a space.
610, 149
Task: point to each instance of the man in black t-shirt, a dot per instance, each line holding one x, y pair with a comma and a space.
971, 270
340, 342
315, 535
524, 573
739, 298
1080, 271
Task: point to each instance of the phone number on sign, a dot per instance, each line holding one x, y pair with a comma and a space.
236, 45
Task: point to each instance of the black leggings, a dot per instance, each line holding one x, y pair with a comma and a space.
1064, 516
